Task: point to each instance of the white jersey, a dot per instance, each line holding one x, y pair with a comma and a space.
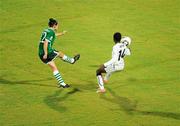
119, 51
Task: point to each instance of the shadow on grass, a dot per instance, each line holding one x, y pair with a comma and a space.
56, 100
161, 114
88, 86
26, 82
130, 107
124, 103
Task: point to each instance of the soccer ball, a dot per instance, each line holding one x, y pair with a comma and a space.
126, 40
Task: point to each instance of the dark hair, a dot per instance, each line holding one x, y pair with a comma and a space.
117, 37
52, 22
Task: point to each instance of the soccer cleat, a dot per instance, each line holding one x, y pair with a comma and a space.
101, 90
76, 57
64, 86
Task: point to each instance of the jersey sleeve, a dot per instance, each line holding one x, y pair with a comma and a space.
127, 51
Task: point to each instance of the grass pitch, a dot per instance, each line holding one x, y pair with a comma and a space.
146, 93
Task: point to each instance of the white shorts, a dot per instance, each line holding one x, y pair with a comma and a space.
114, 67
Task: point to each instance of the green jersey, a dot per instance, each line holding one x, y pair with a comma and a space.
49, 36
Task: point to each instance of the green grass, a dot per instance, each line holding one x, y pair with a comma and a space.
146, 93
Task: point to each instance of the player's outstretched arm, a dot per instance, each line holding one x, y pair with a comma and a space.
61, 33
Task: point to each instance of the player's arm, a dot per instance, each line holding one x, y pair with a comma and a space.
45, 49
128, 51
61, 33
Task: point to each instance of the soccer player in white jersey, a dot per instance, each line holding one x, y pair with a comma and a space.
120, 50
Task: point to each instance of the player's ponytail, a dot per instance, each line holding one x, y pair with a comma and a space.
52, 22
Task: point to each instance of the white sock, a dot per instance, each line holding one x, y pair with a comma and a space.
68, 59
58, 77
100, 82
107, 76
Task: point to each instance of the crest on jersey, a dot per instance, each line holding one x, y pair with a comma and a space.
51, 37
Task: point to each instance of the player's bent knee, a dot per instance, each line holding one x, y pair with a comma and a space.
61, 54
98, 72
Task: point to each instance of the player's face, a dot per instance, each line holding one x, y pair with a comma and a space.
56, 27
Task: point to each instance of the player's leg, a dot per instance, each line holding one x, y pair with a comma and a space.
67, 58
107, 76
57, 75
100, 79
109, 70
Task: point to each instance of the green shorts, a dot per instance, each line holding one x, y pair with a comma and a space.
50, 57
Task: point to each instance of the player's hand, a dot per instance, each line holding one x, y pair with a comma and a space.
45, 56
64, 32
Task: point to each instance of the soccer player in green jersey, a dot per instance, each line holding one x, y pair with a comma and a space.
47, 53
